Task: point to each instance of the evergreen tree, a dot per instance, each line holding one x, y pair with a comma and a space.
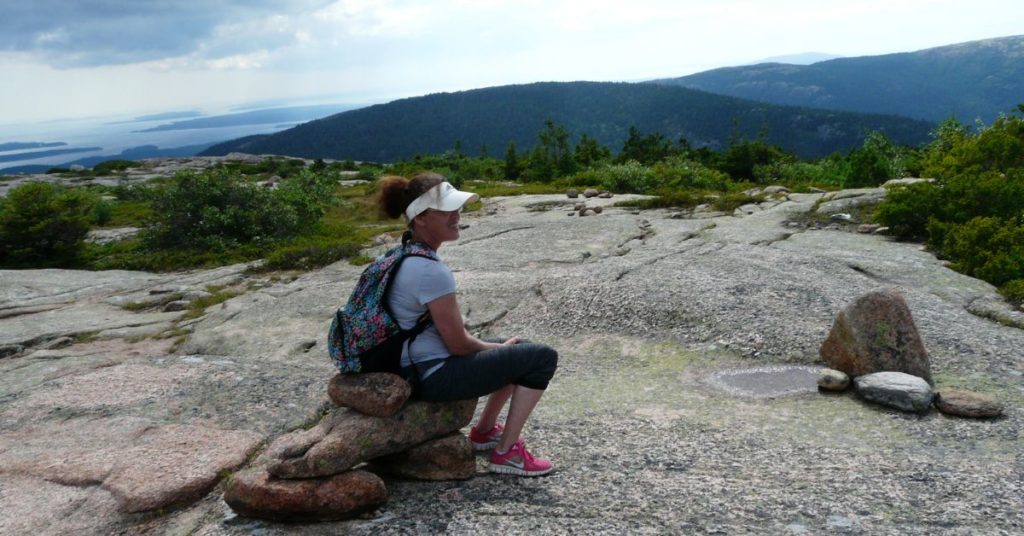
647, 149
551, 156
589, 152
512, 166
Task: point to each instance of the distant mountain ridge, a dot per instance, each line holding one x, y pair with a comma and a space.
493, 117
977, 79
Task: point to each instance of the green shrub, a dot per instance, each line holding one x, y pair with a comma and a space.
831, 171
44, 225
109, 167
666, 199
310, 254
1013, 291
631, 177
218, 210
126, 191
907, 209
681, 173
988, 248
741, 158
102, 212
875, 162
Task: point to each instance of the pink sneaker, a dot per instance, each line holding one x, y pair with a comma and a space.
486, 441
519, 461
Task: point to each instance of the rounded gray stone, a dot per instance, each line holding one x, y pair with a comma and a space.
833, 380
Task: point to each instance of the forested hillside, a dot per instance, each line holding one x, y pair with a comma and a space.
979, 79
488, 119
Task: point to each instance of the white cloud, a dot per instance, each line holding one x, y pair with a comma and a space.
188, 52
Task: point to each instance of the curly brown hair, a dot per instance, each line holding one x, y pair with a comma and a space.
397, 193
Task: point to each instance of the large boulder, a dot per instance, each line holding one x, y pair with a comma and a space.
255, 493
876, 333
344, 437
895, 389
967, 404
379, 394
446, 458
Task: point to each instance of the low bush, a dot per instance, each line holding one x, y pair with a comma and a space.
44, 225
666, 199
110, 167
681, 173
310, 254
1013, 291
989, 248
218, 210
631, 177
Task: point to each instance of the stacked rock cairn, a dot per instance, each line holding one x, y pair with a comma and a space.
330, 471
874, 340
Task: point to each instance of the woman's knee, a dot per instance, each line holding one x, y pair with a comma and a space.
549, 356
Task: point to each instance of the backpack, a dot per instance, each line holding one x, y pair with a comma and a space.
364, 336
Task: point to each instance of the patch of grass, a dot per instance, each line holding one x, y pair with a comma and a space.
85, 336
128, 214
198, 307
666, 199
730, 201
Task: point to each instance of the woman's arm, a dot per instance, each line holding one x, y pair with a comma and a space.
444, 311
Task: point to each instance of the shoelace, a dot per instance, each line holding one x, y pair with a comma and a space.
527, 457
492, 433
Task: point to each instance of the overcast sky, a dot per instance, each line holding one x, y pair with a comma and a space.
82, 58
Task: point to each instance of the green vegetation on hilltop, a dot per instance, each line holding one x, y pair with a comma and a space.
604, 111
973, 212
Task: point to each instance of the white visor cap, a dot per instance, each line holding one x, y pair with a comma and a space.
444, 197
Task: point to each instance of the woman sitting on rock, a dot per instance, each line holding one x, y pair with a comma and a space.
446, 362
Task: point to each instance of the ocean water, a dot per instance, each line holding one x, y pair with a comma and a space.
112, 135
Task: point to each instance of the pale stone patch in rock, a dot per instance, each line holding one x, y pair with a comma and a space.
144, 466
255, 493
895, 389
876, 333
767, 381
73, 320
120, 385
847, 200
996, 310
446, 458
905, 181
176, 463
833, 380
345, 438
35, 506
967, 404
107, 236
379, 394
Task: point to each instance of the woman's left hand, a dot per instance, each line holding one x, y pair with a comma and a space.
511, 341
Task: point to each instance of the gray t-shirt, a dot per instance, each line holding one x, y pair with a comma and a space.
418, 282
